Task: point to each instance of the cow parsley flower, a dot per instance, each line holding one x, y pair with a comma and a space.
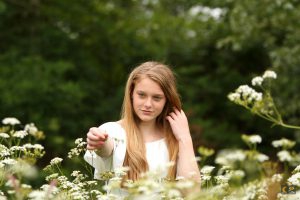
4, 135
257, 80
37, 195
207, 169
284, 155
52, 177
173, 194
10, 121
245, 95
8, 161
269, 74
31, 129
185, 184
234, 97
14, 149
4, 151
277, 178
295, 179
252, 139
261, 157
20, 134
229, 157
284, 143
56, 161
297, 169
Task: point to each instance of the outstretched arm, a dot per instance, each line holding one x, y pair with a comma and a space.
186, 164
99, 141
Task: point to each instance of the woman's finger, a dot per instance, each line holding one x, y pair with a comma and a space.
170, 119
173, 115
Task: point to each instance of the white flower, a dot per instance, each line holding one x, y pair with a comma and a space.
234, 97
184, 184
295, 179
37, 195
297, 169
248, 94
277, 178
221, 179
26, 186
16, 148
172, 193
258, 96
9, 161
207, 169
257, 81
270, 74
56, 161
284, 156
78, 141
205, 177
20, 134
31, 129
33, 146
283, 142
11, 121
254, 139
4, 135
236, 174
92, 183
261, 157
52, 176
75, 173
4, 151
229, 157
121, 171
38, 146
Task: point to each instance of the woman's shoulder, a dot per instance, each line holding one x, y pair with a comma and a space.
110, 124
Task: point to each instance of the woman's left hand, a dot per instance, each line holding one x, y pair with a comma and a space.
179, 124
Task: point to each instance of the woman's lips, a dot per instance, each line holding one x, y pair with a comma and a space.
146, 112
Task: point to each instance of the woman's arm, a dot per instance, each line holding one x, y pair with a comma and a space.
186, 164
98, 140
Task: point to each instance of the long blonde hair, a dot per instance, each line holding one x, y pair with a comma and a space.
135, 157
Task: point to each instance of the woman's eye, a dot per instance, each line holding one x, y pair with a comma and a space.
141, 94
157, 98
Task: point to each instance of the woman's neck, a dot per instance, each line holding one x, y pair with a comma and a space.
150, 131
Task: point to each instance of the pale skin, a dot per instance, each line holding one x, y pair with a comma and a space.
148, 102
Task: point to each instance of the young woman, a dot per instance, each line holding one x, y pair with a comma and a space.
152, 132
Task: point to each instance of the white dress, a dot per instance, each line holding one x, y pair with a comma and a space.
156, 152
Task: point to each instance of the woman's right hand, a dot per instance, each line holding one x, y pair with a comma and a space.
96, 138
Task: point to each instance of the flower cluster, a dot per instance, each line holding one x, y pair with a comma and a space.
260, 103
18, 157
80, 148
245, 95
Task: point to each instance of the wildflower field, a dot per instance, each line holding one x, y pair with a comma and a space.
236, 173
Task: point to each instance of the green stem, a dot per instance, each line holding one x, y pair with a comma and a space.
60, 170
278, 122
289, 126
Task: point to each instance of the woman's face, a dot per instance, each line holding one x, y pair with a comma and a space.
148, 99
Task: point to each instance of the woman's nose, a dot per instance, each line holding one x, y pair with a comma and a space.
148, 102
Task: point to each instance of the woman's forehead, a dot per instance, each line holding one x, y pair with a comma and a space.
146, 84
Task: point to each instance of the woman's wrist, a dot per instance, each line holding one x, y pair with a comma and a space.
184, 139
105, 149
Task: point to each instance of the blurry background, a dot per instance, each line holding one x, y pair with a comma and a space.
63, 64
